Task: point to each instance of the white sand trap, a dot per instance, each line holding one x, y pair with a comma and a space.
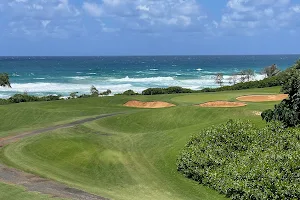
153, 104
263, 98
222, 104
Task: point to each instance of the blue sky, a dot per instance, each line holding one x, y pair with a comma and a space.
149, 27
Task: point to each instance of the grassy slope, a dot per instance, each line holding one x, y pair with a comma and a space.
11, 192
27, 116
132, 156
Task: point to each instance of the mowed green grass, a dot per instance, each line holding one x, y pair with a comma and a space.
12, 192
130, 156
16, 118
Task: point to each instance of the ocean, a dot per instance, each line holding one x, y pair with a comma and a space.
63, 75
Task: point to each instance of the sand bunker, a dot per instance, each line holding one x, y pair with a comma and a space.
154, 104
223, 104
262, 98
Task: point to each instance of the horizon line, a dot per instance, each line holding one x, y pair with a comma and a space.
167, 55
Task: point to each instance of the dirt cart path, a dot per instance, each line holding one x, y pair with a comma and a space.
37, 184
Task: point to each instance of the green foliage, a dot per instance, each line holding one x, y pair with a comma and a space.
73, 95
129, 93
244, 162
4, 80
94, 91
19, 98
267, 82
107, 92
288, 111
169, 90
271, 70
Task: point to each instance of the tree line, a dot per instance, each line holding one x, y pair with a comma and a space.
246, 75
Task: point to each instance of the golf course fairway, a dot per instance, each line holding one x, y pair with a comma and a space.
128, 156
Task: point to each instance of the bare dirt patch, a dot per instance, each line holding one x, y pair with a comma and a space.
222, 104
154, 104
263, 98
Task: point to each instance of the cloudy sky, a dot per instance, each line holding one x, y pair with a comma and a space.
149, 27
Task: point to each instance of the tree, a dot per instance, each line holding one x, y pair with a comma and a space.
4, 80
129, 92
73, 95
288, 111
271, 70
248, 74
243, 76
94, 91
219, 79
107, 92
233, 79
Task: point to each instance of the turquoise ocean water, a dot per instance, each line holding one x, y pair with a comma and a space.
63, 75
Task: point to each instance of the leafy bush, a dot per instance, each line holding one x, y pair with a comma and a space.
169, 90
244, 162
18, 98
288, 111
129, 93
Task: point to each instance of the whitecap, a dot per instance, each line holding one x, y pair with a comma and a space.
150, 79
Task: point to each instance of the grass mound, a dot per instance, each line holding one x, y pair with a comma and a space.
223, 104
154, 104
244, 162
262, 98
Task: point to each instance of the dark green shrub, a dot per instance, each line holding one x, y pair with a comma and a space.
18, 98
169, 90
153, 91
244, 162
288, 111
50, 98
129, 93
4, 101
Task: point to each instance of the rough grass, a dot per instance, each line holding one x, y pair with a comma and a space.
131, 156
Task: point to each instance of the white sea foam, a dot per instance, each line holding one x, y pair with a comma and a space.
65, 88
143, 80
79, 77
153, 69
39, 78
4, 96
114, 84
199, 69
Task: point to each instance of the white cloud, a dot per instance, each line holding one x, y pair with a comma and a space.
253, 16
33, 17
92, 8
149, 15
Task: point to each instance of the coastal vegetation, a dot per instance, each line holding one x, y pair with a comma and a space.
244, 162
4, 80
288, 110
